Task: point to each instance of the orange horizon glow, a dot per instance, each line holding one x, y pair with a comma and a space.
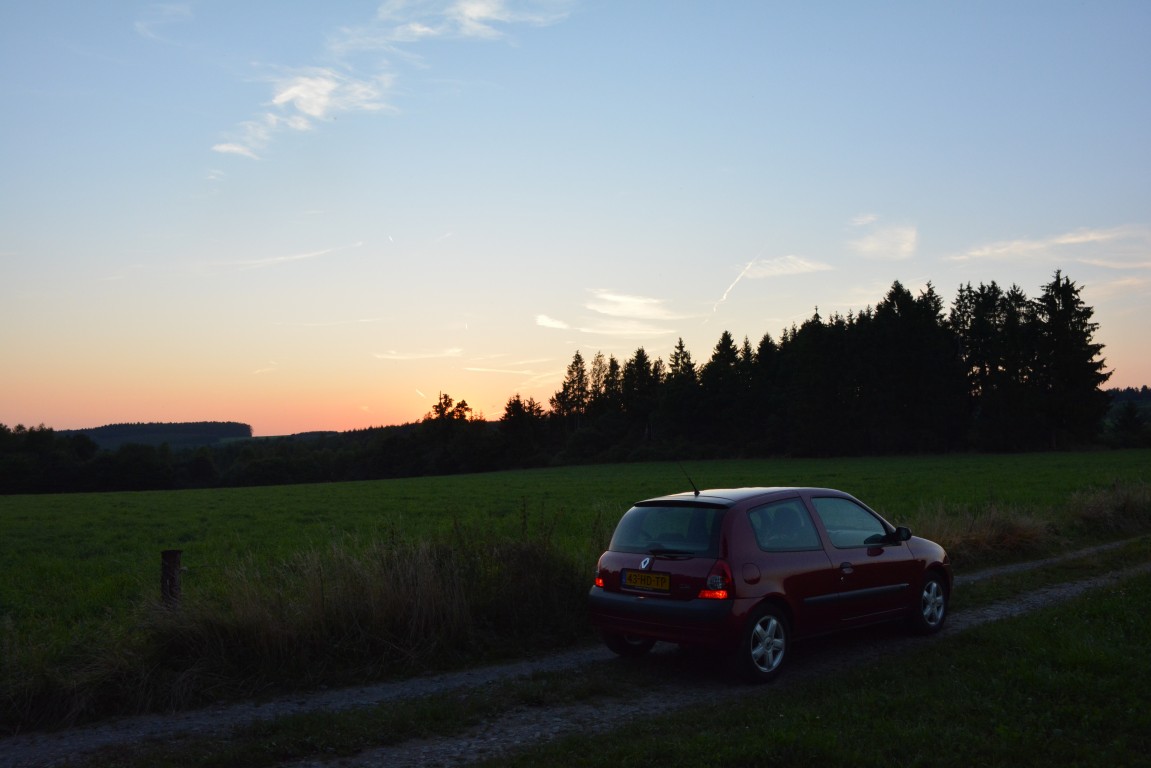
312, 404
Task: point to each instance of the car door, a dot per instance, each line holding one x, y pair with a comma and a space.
791, 561
874, 571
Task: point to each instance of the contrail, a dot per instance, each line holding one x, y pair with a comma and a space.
733, 284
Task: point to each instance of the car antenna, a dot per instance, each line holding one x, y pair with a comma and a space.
685, 474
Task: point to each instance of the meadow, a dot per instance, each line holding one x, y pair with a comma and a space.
326, 584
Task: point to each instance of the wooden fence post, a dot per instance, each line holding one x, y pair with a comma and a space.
170, 577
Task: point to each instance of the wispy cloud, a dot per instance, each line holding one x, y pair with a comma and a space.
358, 79
232, 148
526, 371
618, 314
304, 97
631, 329
1117, 264
436, 355
783, 266
1120, 241
634, 329
317, 93
272, 261
510, 371
405, 21
334, 323
550, 322
1126, 286
628, 315
889, 243
159, 16
624, 305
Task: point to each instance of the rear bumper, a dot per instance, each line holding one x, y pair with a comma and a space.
710, 623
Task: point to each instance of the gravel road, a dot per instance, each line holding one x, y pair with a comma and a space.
521, 727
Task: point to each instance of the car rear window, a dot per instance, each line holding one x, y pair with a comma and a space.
678, 529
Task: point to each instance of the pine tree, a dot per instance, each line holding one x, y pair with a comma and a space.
570, 402
1068, 371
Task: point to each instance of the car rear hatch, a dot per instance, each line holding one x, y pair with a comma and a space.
665, 550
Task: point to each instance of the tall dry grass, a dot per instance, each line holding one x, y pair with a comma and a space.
1122, 508
988, 533
343, 613
379, 608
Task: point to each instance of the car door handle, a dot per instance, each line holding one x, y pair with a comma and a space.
846, 568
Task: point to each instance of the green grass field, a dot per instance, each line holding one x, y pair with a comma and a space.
77, 556
78, 572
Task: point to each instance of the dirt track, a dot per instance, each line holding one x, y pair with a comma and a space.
522, 727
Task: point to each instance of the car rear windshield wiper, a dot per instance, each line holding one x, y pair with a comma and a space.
664, 551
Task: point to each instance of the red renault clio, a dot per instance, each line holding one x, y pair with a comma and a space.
746, 571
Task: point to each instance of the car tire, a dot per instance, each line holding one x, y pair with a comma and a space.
764, 645
931, 610
627, 645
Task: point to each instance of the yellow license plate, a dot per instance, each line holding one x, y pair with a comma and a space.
655, 582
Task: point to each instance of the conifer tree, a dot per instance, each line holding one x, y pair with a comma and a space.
1068, 370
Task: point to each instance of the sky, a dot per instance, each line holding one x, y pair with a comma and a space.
321, 216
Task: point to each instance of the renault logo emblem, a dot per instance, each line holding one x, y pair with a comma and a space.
643, 564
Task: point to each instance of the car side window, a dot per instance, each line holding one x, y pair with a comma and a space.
784, 526
848, 524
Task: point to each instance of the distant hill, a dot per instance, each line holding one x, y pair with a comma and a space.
193, 434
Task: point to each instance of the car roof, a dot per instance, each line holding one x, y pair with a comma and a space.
728, 497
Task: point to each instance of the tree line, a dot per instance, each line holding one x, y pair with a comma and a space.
995, 371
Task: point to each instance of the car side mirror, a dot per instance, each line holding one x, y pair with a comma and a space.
902, 533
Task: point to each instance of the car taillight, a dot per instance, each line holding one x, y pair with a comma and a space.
599, 574
718, 585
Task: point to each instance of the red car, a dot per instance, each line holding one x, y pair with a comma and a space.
746, 571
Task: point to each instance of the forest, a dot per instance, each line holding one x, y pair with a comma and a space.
996, 371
